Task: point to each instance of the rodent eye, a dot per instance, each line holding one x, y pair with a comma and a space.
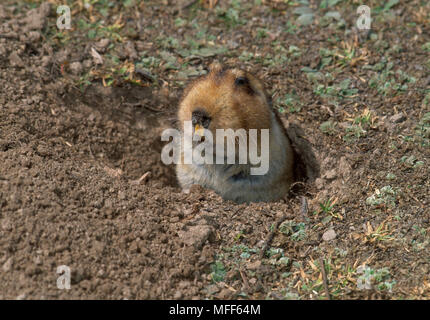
241, 81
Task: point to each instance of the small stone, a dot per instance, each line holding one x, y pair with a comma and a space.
34, 36
7, 266
344, 168
15, 60
37, 261
62, 56
36, 18
76, 68
279, 215
212, 289
319, 183
196, 235
2, 12
98, 246
331, 174
130, 50
184, 284
329, 235
3, 49
225, 294
97, 58
102, 45
6, 224
177, 295
45, 61
87, 63
232, 44
253, 265
21, 296
397, 118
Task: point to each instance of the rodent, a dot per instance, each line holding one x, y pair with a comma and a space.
232, 98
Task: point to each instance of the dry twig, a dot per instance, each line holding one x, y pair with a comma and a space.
272, 235
325, 281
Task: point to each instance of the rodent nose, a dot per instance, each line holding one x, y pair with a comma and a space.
200, 117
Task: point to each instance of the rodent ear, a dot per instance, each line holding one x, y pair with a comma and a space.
215, 66
242, 82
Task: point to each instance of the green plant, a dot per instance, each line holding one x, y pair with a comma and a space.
386, 81
218, 271
297, 231
329, 3
386, 195
290, 101
364, 119
328, 127
426, 46
231, 16
291, 28
353, 133
422, 130
261, 33
327, 208
340, 90
277, 257
371, 278
380, 233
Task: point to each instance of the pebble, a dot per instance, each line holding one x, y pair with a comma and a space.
196, 235
7, 266
329, 235
331, 174
21, 296
76, 67
253, 265
15, 60
177, 295
397, 118
319, 183
102, 45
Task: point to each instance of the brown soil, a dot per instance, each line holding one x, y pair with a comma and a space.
82, 184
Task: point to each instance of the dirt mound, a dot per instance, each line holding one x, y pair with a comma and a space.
82, 184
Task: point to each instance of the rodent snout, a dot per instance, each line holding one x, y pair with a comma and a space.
200, 117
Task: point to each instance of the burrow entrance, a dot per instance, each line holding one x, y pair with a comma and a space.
127, 125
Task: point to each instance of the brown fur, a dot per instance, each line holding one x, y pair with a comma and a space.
233, 106
217, 94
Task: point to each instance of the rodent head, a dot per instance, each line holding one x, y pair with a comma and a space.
226, 99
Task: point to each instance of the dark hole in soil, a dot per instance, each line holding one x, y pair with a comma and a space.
306, 168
